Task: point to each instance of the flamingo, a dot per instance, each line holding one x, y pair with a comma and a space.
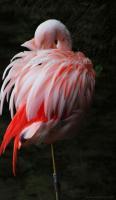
49, 87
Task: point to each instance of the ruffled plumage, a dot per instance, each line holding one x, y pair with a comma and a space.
45, 85
48, 73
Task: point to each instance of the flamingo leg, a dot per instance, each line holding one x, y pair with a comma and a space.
55, 179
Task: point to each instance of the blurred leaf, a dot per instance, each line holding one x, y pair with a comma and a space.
98, 69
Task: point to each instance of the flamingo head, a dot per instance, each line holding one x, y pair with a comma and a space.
50, 34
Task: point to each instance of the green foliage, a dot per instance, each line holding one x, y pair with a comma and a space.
98, 69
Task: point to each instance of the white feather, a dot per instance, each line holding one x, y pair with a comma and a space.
30, 130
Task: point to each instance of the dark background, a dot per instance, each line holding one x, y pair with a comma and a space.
86, 163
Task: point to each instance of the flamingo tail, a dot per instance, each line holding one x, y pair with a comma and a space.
19, 127
13, 131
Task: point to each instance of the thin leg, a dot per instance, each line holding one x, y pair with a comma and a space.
56, 188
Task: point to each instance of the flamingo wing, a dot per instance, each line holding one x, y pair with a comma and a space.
48, 88
63, 83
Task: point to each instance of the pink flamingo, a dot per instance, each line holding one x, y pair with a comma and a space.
50, 87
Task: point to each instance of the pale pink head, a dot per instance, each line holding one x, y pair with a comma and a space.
50, 34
